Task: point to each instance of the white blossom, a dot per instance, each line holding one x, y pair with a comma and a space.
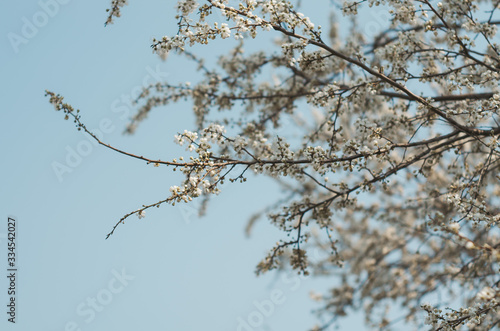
486, 294
382, 133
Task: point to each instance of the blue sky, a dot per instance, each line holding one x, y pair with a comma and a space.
169, 271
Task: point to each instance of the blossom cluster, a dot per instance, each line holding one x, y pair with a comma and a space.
386, 145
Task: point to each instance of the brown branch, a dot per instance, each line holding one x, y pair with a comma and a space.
388, 80
458, 97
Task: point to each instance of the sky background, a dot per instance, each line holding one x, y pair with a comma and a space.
168, 271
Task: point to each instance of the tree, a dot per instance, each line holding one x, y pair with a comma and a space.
390, 155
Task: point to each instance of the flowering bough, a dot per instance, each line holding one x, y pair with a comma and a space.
390, 156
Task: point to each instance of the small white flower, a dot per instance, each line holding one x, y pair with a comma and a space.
486, 294
225, 32
315, 296
141, 214
193, 180
454, 227
470, 245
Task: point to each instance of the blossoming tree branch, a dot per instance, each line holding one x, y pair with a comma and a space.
386, 146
